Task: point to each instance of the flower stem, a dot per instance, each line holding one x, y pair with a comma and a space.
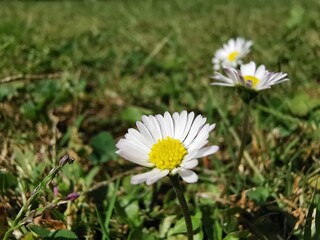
17, 223
183, 204
244, 136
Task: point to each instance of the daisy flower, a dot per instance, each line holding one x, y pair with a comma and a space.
231, 53
169, 144
249, 77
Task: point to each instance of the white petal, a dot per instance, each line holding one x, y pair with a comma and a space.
276, 78
206, 151
248, 69
188, 125
223, 84
220, 77
169, 124
162, 124
138, 138
190, 155
263, 87
201, 137
153, 126
180, 122
232, 74
133, 158
140, 178
156, 131
188, 175
156, 176
145, 132
194, 130
260, 72
175, 170
190, 164
126, 145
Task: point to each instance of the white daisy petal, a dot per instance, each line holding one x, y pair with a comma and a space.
220, 77
190, 164
261, 70
132, 147
192, 153
175, 170
151, 125
206, 151
155, 131
188, 125
162, 124
188, 175
139, 137
145, 132
180, 122
156, 176
169, 124
223, 84
232, 74
194, 130
140, 178
248, 69
132, 158
201, 137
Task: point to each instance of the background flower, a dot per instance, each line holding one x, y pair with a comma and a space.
231, 53
249, 77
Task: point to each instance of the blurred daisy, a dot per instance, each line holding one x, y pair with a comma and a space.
231, 53
169, 144
249, 77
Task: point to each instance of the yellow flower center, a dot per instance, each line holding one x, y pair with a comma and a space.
232, 56
167, 153
254, 81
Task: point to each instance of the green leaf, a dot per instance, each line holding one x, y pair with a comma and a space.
259, 194
7, 181
302, 104
237, 235
29, 236
104, 148
29, 110
7, 92
165, 226
133, 214
41, 232
230, 223
230, 237
62, 235
180, 226
58, 215
135, 234
296, 17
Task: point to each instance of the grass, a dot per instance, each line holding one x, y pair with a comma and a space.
114, 61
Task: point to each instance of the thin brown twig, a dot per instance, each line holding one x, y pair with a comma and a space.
30, 77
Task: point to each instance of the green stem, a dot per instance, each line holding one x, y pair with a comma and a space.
183, 204
244, 136
17, 223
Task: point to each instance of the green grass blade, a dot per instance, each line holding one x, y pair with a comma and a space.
111, 204
105, 234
